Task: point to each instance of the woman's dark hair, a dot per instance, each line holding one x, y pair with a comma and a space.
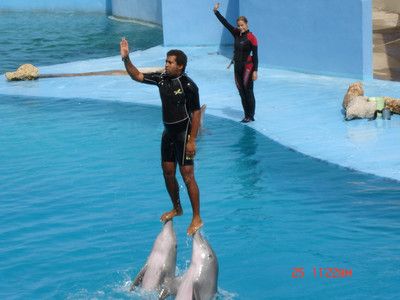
180, 57
242, 18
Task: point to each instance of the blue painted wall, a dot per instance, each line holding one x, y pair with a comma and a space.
149, 10
332, 37
317, 36
99, 6
192, 22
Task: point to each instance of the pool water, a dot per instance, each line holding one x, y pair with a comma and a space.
44, 38
82, 190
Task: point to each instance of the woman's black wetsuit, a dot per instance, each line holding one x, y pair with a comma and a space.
245, 59
180, 98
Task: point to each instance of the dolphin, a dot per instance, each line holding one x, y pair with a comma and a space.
200, 280
161, 263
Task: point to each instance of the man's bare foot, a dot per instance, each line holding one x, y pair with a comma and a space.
196, 224
171, 214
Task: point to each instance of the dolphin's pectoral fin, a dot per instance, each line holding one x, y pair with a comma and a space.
170, 287
196, 291
139, 277
165, 288
176, 283
163, 277
164, 293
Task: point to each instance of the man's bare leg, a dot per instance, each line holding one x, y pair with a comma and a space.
169, 169
187, 173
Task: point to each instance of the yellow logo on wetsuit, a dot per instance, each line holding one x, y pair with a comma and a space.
178, 92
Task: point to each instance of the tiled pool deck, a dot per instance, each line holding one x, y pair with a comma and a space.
299, 111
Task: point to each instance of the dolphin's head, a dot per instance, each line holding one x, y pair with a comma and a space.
202, 253
165, 243
168, 231
161, 263
203, 269
201, 279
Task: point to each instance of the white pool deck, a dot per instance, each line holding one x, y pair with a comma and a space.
299, 111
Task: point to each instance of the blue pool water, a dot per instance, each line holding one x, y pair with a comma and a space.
44, 38
82, 190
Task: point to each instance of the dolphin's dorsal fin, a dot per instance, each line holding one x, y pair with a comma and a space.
138, 280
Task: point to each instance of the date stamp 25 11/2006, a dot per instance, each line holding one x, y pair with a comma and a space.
299, 272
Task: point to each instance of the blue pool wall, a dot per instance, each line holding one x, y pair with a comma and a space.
192, 23
330, 37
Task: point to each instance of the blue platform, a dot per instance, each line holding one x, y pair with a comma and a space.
297, 110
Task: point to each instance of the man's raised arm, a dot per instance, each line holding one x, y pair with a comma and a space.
130, 68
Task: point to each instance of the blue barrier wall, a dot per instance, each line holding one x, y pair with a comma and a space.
149, 10
332, 37
319, 36
56, 5
192, 22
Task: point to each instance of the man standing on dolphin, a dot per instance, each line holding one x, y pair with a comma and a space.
181, 117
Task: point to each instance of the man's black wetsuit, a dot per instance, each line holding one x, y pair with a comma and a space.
180, 98
245, 64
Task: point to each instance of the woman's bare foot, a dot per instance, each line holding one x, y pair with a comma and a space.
196, 224
171, 214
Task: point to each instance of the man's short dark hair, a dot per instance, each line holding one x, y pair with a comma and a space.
181, 58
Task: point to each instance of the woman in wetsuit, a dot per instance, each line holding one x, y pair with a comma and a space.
245, 59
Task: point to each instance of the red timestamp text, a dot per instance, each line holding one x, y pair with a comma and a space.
299, 272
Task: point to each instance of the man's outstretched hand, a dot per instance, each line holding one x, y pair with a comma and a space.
124, 48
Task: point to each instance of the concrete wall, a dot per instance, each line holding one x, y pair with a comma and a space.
393, 6
149, 10
100, 6
388, 5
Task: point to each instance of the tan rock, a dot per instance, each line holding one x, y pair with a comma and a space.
24, 72
393, 104
360, 108
355, 89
